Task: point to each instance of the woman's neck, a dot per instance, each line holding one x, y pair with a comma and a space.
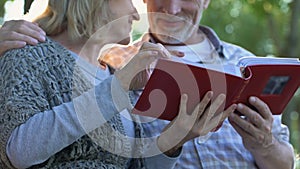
82, 47
72, 45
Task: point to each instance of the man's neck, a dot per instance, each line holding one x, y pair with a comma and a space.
196, 37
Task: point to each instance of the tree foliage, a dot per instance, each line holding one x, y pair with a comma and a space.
265, 27
262, 26
2, 10
27, 4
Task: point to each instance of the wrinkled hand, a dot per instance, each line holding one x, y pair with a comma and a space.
135, 74
141, 78
187, 126
256, 128
18, 33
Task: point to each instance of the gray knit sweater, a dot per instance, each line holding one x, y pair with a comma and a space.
37, 78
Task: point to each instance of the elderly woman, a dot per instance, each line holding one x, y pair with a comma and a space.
60, 110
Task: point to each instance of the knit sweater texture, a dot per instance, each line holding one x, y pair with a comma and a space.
37, 78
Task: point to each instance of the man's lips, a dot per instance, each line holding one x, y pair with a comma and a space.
170, 23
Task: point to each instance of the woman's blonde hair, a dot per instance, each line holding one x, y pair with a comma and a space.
80, 17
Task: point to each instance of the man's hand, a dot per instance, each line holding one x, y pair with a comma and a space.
256, 128
18, 33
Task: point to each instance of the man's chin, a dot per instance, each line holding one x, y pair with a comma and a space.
170, 40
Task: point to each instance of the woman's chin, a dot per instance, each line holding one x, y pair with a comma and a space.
125, 41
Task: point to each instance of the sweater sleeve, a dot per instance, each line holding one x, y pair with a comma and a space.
49, 132
157, 159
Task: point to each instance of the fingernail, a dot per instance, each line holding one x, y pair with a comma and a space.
222, 96
43, 32
22, 44
43, 38
240, 106
252, 99
184, 96
210, 94
34, 41
234, 106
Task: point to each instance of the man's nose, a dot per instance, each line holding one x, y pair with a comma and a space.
172, 6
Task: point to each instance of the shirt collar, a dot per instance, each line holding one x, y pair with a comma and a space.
210, 34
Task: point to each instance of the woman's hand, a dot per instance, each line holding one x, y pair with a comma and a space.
135, 74
186, 126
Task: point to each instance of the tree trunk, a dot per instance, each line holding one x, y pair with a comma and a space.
2, 10
27, 5
291, 48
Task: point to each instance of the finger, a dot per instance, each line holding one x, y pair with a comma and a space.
244, 134
7, 45
254, 136
138, 44
205, 119
183, 104
160, 53
36, 27
146, 58
228, 111
140, 62
151, 46
262, 107
200, 108
244, 124
251, 115
13, 24
25, 28
210, 112
164, 53
15, 36
158, 47
33, 31
224, 115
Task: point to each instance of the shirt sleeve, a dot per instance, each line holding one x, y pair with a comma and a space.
279, 130
46, 133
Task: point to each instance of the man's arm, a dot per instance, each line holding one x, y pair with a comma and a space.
256, 132
18, 33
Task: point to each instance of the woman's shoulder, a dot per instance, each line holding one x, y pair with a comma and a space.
47, 52
49, 47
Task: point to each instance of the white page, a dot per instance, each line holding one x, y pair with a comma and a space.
247, 61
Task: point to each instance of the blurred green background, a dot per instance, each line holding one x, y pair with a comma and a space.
265, 27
